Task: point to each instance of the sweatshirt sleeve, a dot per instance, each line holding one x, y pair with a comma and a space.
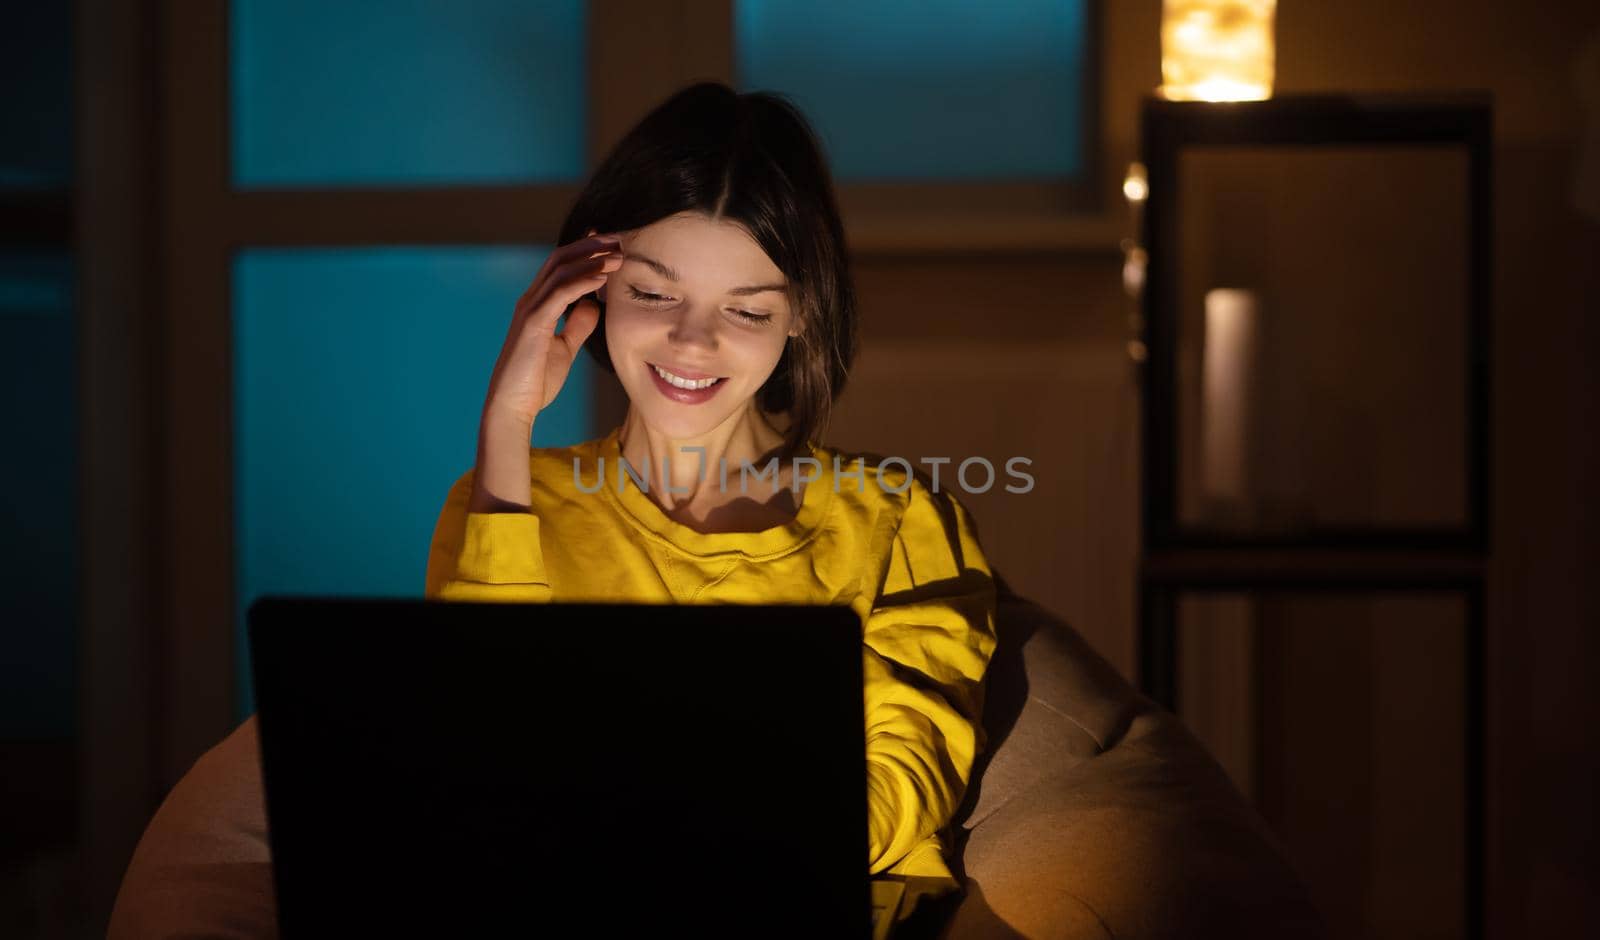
484, 556
928, 641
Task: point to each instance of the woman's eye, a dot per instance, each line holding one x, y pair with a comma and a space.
645, 296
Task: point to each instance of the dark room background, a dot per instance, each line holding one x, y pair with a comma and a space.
256, 259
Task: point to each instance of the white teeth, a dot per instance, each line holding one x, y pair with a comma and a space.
681, 382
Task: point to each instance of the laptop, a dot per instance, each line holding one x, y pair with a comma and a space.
564, 770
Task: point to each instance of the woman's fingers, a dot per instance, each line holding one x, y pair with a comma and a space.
558, 260
580, 265
581, 321
591, 247
531, 367
565, 285
564, 348
585, 248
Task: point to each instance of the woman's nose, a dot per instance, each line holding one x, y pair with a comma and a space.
694, 327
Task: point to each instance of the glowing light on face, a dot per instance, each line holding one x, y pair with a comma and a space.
699, 300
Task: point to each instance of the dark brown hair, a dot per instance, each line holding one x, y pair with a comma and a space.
753, 159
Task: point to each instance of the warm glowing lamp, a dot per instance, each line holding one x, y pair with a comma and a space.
1217, 50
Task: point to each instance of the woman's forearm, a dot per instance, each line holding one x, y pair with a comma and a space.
501, 482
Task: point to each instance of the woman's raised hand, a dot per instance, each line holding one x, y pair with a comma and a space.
534, 363
535, 360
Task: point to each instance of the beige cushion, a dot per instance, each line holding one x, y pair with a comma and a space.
203, 868
1099, 815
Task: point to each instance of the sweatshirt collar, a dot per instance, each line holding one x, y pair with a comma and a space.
645, 514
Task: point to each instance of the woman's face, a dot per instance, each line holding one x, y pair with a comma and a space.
700, 300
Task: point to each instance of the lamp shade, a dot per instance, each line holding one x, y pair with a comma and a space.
1217, 50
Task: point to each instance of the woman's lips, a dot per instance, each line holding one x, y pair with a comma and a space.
689, 374
687, 396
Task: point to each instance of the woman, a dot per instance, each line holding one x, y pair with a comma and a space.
711, 278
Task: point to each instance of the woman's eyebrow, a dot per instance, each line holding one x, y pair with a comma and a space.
657, 266
672, 275
757, 289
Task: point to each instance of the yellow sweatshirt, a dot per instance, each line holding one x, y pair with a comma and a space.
905, 558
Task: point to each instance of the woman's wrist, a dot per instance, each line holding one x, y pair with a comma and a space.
501, 480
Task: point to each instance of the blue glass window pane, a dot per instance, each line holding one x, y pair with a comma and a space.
359, 376
36, 109
927, 89
377, 92
38, 496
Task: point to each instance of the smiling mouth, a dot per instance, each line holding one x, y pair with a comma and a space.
688, 384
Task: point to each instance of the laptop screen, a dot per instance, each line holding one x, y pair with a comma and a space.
432, 765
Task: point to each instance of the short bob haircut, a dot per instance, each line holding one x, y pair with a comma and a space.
752, 159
